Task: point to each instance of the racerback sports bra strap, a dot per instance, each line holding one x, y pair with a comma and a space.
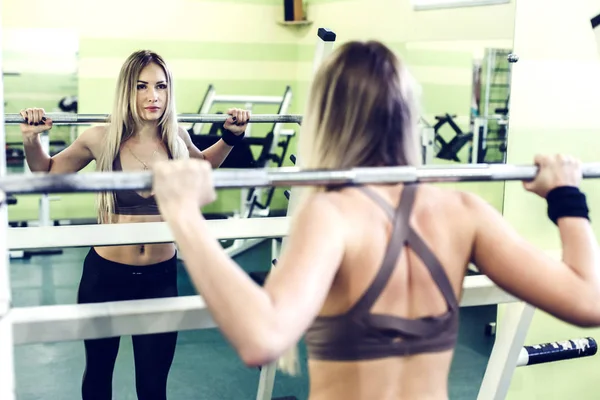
389, 210
393, 250
402, 235
435, 268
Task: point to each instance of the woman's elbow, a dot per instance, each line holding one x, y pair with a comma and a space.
257, 355
261, 348
586, 322
586, 314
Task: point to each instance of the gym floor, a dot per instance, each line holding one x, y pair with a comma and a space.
205, 365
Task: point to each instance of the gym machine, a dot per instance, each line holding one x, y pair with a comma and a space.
254, 202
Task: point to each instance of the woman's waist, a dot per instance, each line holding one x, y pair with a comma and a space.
138, 254
393, 378
135, 218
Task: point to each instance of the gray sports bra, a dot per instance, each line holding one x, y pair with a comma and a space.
130, 202
360, 334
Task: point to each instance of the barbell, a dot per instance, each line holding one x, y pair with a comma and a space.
275, 177
74, 119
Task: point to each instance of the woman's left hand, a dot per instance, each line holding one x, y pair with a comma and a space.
182, 185
237, 121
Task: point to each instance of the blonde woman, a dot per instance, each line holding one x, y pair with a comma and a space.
373, 274
143, 130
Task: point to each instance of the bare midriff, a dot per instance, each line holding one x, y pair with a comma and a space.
137, 254
419, 377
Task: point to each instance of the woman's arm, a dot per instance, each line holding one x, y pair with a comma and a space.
261, 323
215, 154
568, 289
218, 152
72, 159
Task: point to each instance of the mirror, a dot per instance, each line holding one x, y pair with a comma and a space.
466, 100
460, 58
455, 53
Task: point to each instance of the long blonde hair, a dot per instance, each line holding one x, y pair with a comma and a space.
362, 111
125, 119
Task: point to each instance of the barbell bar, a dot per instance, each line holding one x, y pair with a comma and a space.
273, 177
74, 119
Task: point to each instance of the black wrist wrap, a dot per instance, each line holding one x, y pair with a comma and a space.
566, 201
231, 138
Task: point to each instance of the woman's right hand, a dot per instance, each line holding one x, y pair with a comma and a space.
554, 171
35, 122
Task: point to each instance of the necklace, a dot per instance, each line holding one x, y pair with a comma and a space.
143, 163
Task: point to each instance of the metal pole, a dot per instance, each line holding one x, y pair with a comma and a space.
266, 381
7, 368
73, 119
268, 372
477, 126
324, 48
44, 204
491, 59
505, 353
427, 139
276, 177
206, 106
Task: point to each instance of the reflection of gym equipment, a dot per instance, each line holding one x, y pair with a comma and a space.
483, 142
211, 99
15, 155
496, 94
449, 150
427, 133
44, 204
26, 254
492, 124
254, 202
435, 146
261, 276
69, 104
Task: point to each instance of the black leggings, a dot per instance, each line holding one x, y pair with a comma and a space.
103, 280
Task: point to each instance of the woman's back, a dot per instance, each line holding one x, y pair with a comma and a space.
414, 290
365, 113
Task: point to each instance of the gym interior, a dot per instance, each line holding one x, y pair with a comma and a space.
478, 107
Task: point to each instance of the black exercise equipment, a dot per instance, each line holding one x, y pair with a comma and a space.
69, 104
449, 150
15, 153
241, 156
261, 276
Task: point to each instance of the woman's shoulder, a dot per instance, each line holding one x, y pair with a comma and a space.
94, 138
94, 134
453, 197
319, 203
